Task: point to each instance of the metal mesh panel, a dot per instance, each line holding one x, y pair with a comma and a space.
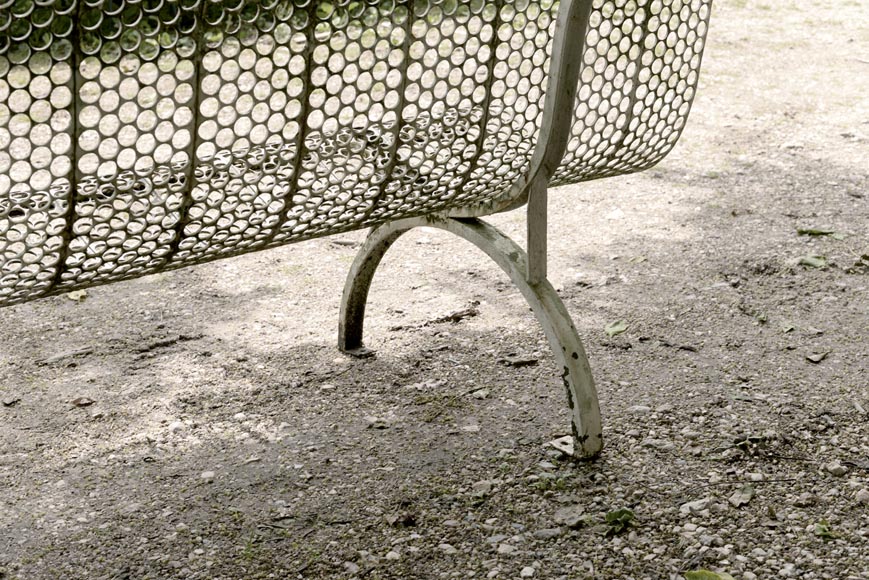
141, 135
639, 75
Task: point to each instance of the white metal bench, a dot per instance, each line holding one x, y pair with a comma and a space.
138, 136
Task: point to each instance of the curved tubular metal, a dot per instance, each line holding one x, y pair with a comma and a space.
568, 46
541, 296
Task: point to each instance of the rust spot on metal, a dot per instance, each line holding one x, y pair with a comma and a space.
576, 436
567, 387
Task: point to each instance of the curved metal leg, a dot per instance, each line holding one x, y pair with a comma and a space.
547, 306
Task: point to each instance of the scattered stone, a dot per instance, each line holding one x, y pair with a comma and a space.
376, 423
208, 476
482, 488
835, 468
570, 516
131, 508
696, 506
548, 533
527, 572
176, 427
393, 555
480, 394
352, 568
639, 409
817, 357
505, 549
660, 444
862, 496
10, 401
447, 549
805, 500
83, 402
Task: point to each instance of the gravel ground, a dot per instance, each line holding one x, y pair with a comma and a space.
201, 425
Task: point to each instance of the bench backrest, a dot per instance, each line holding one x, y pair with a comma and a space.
138, 136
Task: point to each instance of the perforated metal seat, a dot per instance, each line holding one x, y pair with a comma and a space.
143, 135
138, 136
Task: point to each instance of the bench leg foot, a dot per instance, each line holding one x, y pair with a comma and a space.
544, 301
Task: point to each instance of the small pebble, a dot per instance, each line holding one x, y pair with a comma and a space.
393, 555
376, 423
351, 568
696, 506
661, 444
527, 572
447, 549
207, 475
548, 533
482, 488
805, 500
837, 469
570, 516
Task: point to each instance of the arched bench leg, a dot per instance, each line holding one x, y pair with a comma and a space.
544, 301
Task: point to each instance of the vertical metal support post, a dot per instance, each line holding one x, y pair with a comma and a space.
537, 230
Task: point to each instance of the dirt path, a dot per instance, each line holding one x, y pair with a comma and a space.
201, 424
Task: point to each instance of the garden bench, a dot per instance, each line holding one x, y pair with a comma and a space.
139, 136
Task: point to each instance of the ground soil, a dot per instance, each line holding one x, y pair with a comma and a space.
202, 424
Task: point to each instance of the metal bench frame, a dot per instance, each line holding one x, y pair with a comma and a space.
527, 271
79, 231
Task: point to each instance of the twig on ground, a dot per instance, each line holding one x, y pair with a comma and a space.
64, 355
456, 316
162, 343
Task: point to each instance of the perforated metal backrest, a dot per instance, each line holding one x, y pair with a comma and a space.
137, 136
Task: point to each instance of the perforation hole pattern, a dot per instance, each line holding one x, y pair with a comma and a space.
144, 135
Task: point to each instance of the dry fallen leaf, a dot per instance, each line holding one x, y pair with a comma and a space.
741, 496
616, 328
77, 295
